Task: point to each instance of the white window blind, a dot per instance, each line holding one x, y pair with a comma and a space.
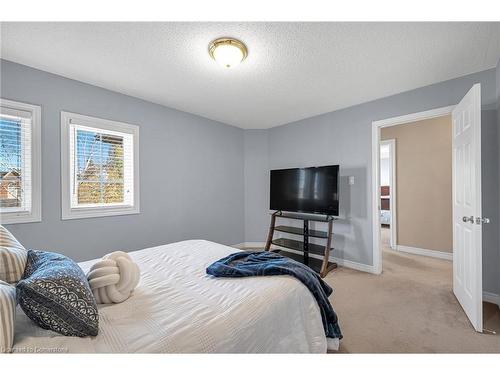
15, 160
101, 167
98, 167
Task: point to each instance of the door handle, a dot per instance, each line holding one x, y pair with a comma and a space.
482, 220
468, 219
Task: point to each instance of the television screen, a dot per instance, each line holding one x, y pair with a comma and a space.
307, 190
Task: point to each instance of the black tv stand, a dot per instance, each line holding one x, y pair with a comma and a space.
321, 266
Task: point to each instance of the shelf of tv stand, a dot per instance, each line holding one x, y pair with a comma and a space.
313, 263
299, 216
299, 245
300, 231
304, 251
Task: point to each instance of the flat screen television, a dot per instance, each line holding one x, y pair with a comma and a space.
307, 190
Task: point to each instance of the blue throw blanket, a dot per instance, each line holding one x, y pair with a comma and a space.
265, 263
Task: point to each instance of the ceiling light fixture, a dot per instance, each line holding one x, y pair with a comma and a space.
228, 52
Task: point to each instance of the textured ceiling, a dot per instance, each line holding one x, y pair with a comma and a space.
293, 70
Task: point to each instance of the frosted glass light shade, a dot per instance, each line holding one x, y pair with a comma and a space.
227, 52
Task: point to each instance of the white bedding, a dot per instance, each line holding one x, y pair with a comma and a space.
178, 308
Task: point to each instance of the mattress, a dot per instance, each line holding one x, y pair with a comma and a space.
178, 308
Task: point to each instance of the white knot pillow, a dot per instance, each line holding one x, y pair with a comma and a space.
113, 278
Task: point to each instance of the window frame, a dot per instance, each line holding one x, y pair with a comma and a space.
68, 212
34, 214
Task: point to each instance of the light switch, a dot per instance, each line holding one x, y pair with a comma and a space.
351, 180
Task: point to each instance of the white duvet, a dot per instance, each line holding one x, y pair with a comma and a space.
177, 308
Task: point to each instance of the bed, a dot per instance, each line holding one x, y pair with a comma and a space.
177, 308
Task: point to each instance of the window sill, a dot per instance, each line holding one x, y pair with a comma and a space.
19, 217
86, 213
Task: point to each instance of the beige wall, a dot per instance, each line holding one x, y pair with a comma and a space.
424, 183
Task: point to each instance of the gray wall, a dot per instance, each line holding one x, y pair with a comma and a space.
344, 137
256, 185
191, 171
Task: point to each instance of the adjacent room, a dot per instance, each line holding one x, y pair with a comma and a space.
250, 187
416, 158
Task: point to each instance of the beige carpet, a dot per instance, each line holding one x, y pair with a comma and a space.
410, 308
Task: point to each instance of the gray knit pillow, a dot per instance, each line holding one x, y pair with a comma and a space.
12, 257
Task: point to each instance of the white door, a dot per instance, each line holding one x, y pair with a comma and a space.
467, 230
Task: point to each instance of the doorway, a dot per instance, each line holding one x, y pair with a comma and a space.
392, 143
423, 164
467, 217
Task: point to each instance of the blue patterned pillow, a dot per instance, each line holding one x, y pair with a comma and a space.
55, 294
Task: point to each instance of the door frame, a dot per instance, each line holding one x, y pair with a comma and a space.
392, 191
376, 127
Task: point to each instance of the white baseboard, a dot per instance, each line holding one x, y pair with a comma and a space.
425, 252
354, 265
491, 298
244, 245
341, 262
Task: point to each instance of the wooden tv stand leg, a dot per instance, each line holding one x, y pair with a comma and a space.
271, 232
326, 257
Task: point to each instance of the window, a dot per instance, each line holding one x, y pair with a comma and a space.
99, 167
20, 162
